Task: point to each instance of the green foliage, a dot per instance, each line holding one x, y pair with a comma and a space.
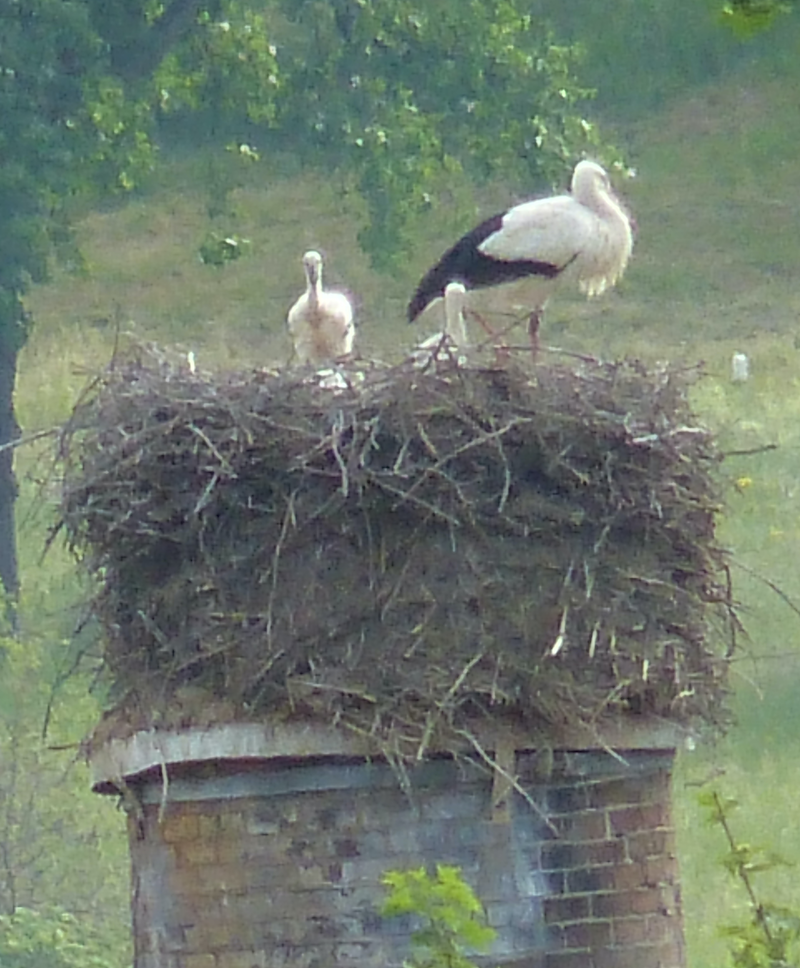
746, 18
217, 250
52, 938
66, 128
771, 937
397, 96
452, 917
221, 243
84, 849
772, 941
403, 94
227, 69
119, 149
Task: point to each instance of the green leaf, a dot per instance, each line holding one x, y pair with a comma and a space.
452, 915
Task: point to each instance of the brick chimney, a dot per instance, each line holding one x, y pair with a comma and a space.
257, 846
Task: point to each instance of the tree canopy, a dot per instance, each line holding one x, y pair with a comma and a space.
395, 95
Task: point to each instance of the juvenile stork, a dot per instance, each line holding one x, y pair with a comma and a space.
584, 237
320, 323
454, 300
448, 344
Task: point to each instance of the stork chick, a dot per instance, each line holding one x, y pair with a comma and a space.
448, 345
320, 323
585, 236
454, 299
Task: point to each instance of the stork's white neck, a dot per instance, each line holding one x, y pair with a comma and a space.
314, 285
608, 205
590, 188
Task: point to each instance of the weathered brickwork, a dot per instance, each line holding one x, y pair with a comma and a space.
279, 866
614, 897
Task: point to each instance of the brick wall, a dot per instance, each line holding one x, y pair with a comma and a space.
279, 864
614, 895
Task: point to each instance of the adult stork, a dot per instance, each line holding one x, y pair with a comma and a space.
585, 236
320, 323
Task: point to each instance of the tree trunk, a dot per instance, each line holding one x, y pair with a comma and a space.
137, 51
9, 432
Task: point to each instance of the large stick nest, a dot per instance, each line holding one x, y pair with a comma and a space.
406, 549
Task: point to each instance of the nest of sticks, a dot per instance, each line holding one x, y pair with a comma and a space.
399, 550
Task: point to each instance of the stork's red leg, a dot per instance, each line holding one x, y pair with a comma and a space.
534, 322
484, 325
501, 351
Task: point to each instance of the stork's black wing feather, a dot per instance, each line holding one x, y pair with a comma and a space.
465, 263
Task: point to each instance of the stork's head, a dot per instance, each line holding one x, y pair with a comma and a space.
588, 180
312, 263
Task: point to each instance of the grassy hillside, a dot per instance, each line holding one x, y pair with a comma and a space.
714, 271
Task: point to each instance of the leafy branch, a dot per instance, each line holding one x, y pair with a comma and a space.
771, 938
453, 919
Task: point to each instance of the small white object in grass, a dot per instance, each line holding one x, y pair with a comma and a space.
190, 359
740, 368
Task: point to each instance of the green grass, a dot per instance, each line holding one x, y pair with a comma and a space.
714, 272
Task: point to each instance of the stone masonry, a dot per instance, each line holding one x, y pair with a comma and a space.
277, 863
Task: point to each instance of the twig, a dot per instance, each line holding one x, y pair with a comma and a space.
223, 461
336, 433
510, 778
205, 497
748, 452
441, 705
758, 908
30, 438
486, 437
288, 518
162, 806
770, 584
404, 496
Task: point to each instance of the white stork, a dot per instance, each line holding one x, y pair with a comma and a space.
585, 237
320, 323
